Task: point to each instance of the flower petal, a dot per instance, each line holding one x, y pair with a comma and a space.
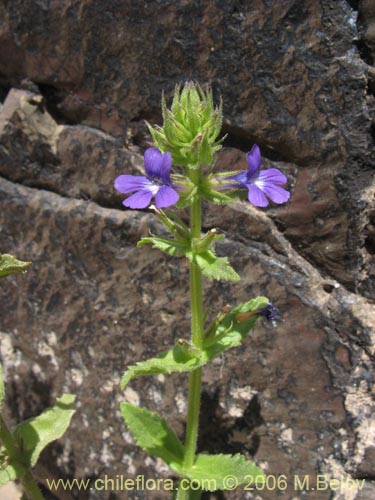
270, 312
276, 193
153, 161
254, 160
241, 178
256, 196
165, 197
166, 167
129, 183
158, 164
141, 199
271, 176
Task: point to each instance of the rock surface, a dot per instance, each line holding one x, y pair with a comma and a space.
78, 79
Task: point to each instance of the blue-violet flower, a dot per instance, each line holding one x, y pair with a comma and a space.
261, 184
157, 184
270, 312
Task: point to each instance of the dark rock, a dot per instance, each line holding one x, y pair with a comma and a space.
75, 161
366, 18
92, 304
366, 468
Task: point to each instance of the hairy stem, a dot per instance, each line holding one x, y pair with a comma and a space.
197, 339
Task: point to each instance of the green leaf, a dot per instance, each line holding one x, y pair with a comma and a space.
187, 197
205, 242
174, 224
215, 268
10, 472
200, 251
229, 332
234, 328
2, 390
178, 359
11, 265
176, 248
218, 197
153, 434
205, 150
219, 472
35, 434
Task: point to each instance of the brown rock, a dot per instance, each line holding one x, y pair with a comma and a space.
92, 304
367, 466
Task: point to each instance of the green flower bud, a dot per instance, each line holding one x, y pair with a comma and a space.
204, 243
190, 127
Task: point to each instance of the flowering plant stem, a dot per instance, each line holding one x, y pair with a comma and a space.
29, 485
196, 302
189, 140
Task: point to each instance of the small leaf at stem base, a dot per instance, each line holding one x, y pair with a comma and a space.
35, 434
221, 472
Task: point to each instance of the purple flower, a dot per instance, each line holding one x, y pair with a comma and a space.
157, 184
270, 312
261, 184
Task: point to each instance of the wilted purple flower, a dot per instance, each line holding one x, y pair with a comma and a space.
261, 184
270, 312
157, 184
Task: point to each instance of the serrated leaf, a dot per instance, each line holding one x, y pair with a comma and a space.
215, 268
212, 471
11, 265
2, 390
35, 434
178, 359
176, 248
153, 434
229, 332
10, 472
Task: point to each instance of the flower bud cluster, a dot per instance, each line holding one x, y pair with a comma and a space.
190, 127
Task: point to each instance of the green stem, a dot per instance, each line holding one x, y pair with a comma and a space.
196, 281
6, 438
197, 338
30, 486
193, 417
